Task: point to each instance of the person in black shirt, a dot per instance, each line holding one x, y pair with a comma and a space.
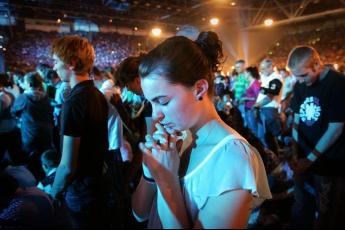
85, 133
319, 115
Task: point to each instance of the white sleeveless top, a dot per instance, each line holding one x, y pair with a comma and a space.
232, 164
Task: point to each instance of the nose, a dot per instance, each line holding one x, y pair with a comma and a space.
157, 113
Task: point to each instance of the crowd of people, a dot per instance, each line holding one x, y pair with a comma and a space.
165, 141
26, 50
329, 42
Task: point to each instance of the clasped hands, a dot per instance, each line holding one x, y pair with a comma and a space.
160, 154
300, 165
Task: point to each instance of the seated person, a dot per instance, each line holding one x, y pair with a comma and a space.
23, 207
50, 161
23, 176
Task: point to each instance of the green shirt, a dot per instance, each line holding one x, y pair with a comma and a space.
240, 86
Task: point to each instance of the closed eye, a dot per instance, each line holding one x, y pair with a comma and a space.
161, 100
303, 75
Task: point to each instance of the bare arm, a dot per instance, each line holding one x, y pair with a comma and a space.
68, 164
170, 203
142, 199
331, 135
264, 101
230, 211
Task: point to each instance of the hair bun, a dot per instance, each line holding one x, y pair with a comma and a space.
212, 48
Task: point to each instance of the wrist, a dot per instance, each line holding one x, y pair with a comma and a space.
149, 180
146, 172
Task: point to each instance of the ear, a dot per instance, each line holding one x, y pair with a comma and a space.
72, 65
200, 88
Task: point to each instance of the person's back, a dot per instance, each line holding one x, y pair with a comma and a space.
24, 208
22, 175
34, 109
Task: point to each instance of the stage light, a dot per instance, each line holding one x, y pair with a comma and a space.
156, 32
214, 21
58, 20
268, 22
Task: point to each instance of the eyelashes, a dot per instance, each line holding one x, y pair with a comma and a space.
164, 103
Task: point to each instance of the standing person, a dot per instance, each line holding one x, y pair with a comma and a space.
135, 129
250, 96
84, 133
268, 101
241, 84
33, 107
319, 115
214, 182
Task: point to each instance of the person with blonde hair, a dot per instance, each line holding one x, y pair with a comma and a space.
318, 131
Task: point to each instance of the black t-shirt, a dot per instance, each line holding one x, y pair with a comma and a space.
85, 115
317, 106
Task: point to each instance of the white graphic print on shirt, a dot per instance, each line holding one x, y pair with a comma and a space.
310, 110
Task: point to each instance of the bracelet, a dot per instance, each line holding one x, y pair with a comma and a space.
316, 153
149, 180
312, 157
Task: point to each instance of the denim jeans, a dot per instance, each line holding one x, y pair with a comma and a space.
269, 128
303, 211
319, 202
85, 202
252, 122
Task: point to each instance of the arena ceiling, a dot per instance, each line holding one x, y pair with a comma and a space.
172, 14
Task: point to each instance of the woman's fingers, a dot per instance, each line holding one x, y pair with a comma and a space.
160, 128
150, 143
144, 149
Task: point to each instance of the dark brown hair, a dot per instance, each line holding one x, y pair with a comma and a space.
4, 82
128, 69
183, 61
34, 80
254, 72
